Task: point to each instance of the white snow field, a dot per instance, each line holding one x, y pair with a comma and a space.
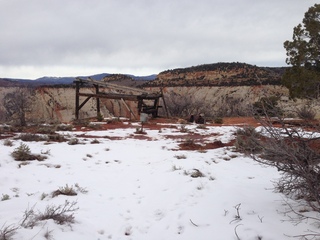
142, 187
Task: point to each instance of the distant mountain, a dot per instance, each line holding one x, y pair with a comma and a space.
219, 74
44, 81
215, 74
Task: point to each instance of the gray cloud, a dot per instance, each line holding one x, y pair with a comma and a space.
43, 37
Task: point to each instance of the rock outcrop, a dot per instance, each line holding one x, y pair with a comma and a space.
219, 74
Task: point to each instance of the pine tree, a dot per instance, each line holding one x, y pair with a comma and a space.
303, 53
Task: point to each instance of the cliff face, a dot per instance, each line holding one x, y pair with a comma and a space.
58, 104
232, 98
219, 74
214, 85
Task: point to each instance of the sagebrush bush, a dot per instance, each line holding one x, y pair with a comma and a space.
46, 130
247, 140
66, 190
184, 129
267, 106
94, 141
218, 120
61, 214
180, 156
8, 143
56, 137
306, 112
64, 127
293, 151
73, 141
94, 126
5, 197
30, 137
196, 173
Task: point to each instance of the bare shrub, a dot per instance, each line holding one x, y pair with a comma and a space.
248, 140
306, 112
267, 106
218, 120
8, 143
201, 126
180, 156
5, 197
183, 129
186, 105
294, 152
81, 189
2, 115
61, 214
94, 126
80, 122
56, 137
48, 235
95, 141
64, 127
73, 141
175, 168
231, 107
7, 232
43, 196
46, 130
196, 173
30, 137
17, 104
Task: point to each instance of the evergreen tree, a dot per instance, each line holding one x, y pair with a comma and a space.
303, 53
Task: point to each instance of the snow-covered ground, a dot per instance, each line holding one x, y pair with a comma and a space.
143, 189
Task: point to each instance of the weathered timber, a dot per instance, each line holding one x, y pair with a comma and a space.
136, 94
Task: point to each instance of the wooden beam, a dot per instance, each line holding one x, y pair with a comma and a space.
111, 96
136, 95
110, 85
129, 109
164, 103
84, 102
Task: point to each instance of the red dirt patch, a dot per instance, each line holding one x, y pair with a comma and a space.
240, 121
189, 145
191, 136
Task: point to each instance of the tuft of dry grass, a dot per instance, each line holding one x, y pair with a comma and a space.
180, 156
66, 190
7, 232
8, 143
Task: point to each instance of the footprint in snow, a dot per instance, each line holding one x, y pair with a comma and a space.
159, 214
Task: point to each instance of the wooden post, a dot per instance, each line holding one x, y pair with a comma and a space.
164, 103
128, 108
98, 100
77, 100
156, 107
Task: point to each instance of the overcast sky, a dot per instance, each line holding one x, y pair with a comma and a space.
141, 37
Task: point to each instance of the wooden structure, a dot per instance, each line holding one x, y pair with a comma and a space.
136, 94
